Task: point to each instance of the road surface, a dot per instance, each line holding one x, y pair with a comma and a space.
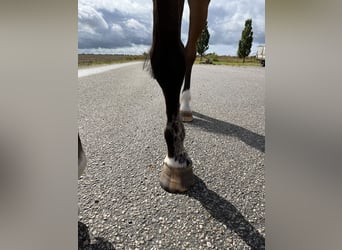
121, 122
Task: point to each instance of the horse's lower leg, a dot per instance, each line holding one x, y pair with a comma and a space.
82, 161
81, 158
176, 175
185, 109
168, 67
198, 17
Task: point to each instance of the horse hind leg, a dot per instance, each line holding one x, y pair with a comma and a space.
198, 17
190, 56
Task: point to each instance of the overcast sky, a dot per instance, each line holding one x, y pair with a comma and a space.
125, 26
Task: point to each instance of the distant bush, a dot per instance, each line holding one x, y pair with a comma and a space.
207, 61
213, 57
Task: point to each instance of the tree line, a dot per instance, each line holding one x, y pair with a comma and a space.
245, 43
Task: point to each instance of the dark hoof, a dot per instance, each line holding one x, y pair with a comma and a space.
176, 180
186, 116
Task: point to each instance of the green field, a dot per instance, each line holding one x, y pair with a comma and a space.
85, 60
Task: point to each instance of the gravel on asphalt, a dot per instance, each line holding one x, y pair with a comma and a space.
121, 123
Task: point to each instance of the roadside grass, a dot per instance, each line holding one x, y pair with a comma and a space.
227, 60
88, 60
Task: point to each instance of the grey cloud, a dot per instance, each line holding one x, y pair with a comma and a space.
111, 29
126, 26
227, 23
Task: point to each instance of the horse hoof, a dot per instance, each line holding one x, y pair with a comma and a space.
176, 180
186, 116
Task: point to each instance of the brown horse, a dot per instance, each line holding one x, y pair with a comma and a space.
171, 63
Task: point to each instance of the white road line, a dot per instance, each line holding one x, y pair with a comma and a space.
97, 70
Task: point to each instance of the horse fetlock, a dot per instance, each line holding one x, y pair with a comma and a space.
183, 159
185, 101
174, 135
179, 161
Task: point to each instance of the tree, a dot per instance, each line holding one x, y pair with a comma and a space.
202, 44
245, 43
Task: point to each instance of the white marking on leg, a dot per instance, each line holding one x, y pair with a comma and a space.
170, 162
185, 101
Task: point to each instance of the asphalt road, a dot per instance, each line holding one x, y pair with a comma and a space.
121, 123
